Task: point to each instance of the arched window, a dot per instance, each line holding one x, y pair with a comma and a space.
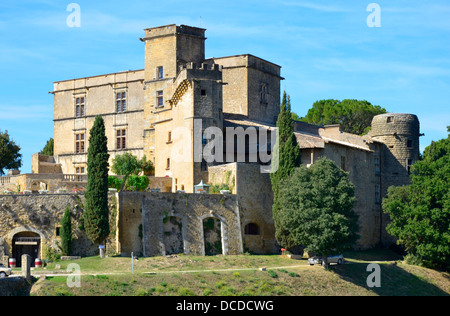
251, 229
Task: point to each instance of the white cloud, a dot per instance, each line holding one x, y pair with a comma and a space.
317, 7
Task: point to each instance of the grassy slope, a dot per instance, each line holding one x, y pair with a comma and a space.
240, 275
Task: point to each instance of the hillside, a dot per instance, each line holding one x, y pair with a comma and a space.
241, 275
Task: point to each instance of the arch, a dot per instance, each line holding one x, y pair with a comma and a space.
25, 241
175, 242
252, 229
213, 234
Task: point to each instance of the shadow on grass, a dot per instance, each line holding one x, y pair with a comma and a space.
395, 281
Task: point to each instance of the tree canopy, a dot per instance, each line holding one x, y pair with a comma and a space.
48, 148
316, 210
420, 212
96, 213
354, 116
10, 157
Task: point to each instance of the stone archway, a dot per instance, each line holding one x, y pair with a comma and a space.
25, 241
214, 235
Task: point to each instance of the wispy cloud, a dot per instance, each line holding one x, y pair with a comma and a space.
317, 7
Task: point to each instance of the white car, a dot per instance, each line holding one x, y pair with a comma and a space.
4, 272
338, 259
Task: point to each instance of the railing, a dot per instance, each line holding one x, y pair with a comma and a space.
75, 178
5, 180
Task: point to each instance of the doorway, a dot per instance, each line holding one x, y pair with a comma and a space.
26, 243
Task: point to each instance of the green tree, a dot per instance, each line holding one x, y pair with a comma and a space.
96, 213
286, 155
10, 157
48, 149
128, 164
420, 212
66, 233
316, 210
354, 116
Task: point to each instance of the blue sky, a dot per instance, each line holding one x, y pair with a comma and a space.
325, 47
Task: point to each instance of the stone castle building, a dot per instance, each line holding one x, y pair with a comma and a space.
162, 112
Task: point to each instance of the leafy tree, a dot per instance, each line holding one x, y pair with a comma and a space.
316, 210
48, 149
96, 211
10, 158
128, 164
354, 116
420, 212
66, 233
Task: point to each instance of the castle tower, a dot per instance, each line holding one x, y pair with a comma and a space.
167, 49
399, 132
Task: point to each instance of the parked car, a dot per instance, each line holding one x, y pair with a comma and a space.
338, 259
4, 272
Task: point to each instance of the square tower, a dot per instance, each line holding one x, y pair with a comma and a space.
167, 49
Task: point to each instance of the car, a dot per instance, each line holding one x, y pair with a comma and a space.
4, 272
338, 259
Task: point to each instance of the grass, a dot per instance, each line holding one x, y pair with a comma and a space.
242, 276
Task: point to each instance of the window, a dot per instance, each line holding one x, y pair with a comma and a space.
390, 119
263, 91
79, 171
169, 137
168, 163
121, 101
160, 72
79, 143
377, 166
121, 139
409, 143
79, 107
203, 92
159, 99
343, 163
251, 229
409, 163
377, 194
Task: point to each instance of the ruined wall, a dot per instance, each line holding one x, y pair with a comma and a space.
41, 214
255, 196
152, 211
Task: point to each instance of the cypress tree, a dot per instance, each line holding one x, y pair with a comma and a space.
66, 233
287, 154
96, 213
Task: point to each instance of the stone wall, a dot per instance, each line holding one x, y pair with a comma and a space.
144, 229
14, 287
40, 215
255, 196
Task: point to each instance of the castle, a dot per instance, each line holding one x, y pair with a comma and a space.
166, 112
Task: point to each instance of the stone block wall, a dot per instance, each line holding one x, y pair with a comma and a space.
143, 222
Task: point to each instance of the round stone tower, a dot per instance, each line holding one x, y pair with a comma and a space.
399, 133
